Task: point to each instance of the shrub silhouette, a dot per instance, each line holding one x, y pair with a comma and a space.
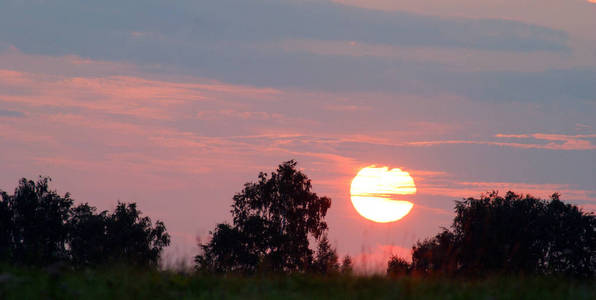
397, 266
39, 227
346, 265
436, 255
272, 222
513, 234
326, 260
226, 252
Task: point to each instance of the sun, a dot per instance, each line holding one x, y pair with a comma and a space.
377, 193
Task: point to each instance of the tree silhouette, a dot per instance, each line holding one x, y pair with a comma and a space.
6, 227
226, 252
397, 266
436, 255
87, 239
346, 265
570, 246
515, 233
39, 227
132, 238
326, 261
272, 222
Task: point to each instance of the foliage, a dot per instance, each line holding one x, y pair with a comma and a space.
346, 265
273, 220
226, 253
397, 266
515, 234
6, 227
326, 261
39, 227
132, 238
88, 237
436, 255
35, 219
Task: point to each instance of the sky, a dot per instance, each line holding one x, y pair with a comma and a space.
176, 104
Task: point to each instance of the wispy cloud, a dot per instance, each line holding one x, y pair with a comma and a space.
453, 59
121, 95
555, 142
444, 184
558, 141
5, 113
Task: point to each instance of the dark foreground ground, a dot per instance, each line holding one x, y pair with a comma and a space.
126, 283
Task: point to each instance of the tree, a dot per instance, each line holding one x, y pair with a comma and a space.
226, 253
37, 227
326, 261
571, 246
132, 239
87, 239
501, 233
273, 220
436, 255
514, 234
346, 265
6, 227
120, 237
397, 266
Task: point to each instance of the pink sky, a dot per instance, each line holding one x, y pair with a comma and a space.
181, 140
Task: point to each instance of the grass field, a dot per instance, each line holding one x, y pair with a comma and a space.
126, 283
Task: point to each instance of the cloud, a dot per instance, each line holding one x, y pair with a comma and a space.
556, 142
194, 23
445, 184
534, 141
455, 59
241, 45
118, 95
561, 85
242, 115
11, 113
580, 21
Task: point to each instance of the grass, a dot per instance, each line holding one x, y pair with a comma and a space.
128, 283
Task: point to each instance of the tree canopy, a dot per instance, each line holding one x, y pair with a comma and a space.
514, 233
39, 227
273, 220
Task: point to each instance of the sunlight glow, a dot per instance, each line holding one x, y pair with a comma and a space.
376, 191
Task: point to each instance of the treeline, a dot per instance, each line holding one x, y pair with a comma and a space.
275, 219
278, 226
38, 227
508, 234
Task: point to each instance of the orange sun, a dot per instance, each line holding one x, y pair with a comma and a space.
376, 193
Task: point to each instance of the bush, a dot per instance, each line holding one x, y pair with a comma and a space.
397, 266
